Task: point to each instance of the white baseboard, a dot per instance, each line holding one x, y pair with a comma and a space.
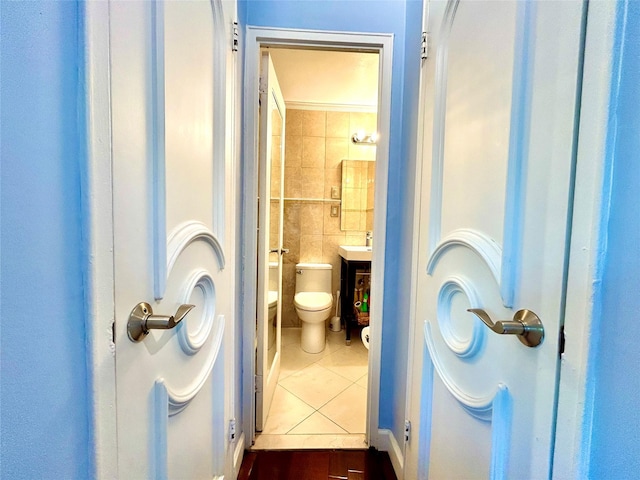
388, 443
238, 454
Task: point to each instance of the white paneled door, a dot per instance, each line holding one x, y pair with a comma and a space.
499, 103
172, 244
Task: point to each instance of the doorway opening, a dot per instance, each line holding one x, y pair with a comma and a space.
327, 178
329, 185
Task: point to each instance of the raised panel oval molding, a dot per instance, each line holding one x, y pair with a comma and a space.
187, 233
192, 343
496, 408
484, 246
178, 401
479, 407
179, 239
462, 347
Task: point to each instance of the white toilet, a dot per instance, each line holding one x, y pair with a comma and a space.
313, 301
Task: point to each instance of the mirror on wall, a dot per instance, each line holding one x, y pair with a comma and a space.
358, 182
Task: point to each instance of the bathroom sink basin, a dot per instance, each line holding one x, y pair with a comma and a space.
356, 253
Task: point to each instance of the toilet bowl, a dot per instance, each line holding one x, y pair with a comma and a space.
364, 335
313, 302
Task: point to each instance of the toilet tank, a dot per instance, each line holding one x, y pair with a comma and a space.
313, 277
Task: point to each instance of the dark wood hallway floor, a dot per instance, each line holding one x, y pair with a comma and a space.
316, 465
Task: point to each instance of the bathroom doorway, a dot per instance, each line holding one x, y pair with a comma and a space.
320, 397
332, 195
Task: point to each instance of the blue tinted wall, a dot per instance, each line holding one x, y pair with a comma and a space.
44, 413
615, 445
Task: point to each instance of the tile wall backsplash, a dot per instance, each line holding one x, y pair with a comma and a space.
316, 142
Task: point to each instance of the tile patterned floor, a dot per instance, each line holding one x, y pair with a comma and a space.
321, 399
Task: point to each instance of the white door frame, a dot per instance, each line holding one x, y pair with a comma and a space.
98, 225
97, 212
255, 39
423, 84
581, 317
591, 192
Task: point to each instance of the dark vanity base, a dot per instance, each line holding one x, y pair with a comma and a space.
348, 271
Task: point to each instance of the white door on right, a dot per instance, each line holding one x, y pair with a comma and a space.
500, 103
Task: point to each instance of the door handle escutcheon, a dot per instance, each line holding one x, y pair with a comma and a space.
142, 319
526, 324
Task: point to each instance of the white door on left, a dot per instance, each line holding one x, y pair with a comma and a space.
172, 241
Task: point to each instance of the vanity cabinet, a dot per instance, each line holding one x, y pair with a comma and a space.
350, 269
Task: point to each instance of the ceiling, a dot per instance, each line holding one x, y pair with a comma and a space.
339, 80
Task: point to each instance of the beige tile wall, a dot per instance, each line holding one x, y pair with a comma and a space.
316, 142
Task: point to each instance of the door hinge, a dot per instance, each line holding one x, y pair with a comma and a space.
424, 50
232, 430
262, 86
561, 342
258, 383
236, 38
407, 430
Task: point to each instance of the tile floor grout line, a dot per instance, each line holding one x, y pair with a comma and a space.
352, 382
320, 413
332, 398
330, 350
292, 393
335, 423
305, 418
347, 378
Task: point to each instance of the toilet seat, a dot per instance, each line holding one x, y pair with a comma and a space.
313, 301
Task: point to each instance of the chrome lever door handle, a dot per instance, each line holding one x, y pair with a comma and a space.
526, 324
142, 319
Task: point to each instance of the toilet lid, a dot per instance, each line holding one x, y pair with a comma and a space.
313, 301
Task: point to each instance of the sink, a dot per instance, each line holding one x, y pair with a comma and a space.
355, 253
